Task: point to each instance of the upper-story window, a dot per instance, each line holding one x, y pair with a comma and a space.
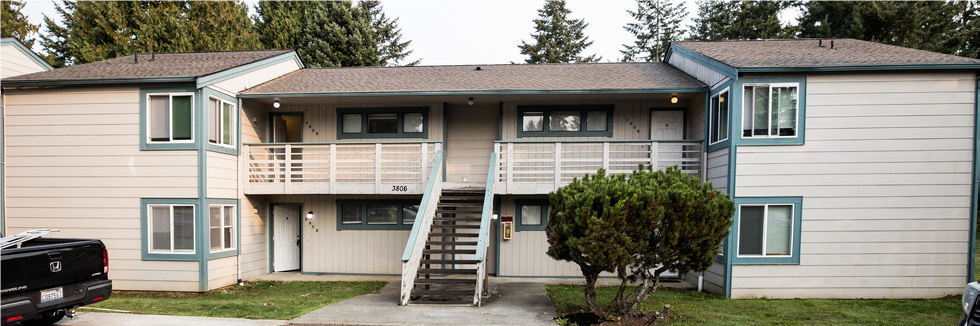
770, 110
382, 122
719, 117
221, 122
564, 120
170, 118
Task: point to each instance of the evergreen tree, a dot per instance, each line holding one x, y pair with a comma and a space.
658, 22
557, 38
280, 23
739, 20
91, 31
336, 34
14, 23
391, 50
966, 37
712, 19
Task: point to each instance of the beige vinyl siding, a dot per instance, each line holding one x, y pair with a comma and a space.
718, 169
885, 178
695, 116
222, 175
245, 81
471, 132
222, 272
701, 72
73, 162
254, 228
13, 62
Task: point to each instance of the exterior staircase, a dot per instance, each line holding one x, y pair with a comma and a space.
447, 273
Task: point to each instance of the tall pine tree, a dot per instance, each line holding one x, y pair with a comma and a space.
91, 31
280, 23
739, 20
336, 34
658, 22
14, 23
391, 50
557, 38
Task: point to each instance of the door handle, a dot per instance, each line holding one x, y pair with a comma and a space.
297, 240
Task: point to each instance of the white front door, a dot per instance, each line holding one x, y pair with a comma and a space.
285, 237
667, 125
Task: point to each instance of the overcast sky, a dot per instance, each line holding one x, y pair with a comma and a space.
452, 32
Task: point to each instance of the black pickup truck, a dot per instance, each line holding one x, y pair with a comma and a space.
44, 279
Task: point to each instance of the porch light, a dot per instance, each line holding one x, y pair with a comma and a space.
275, 104
470, 101
673, 99
309, 215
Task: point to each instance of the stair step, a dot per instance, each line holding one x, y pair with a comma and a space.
449, 251
442, 292
451, 243
480, 204
455, 235
455, 226
446, 271
444, 281
454, 198
449, 261
443, 302
464, 190
457, 219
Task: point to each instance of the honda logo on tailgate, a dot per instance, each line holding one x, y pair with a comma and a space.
55, 266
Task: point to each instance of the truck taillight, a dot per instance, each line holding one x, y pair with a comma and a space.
105, 261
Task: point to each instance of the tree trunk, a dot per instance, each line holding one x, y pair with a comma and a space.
590, 279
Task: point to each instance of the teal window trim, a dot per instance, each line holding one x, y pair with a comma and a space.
794, 257
145, 236
400, 223
400, 111
737, 114
548, 109
145, 143
519, 225
235, 147
237, 233
717, 93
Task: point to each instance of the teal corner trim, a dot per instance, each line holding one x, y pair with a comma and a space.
23, 49
200, 129
400, 111
794, 258
736, 113
482, 92
423, 207
546, 112
363, 225
247, 68
518, 226
974, 196
704, 60
145, 145
145, 237
481, 243
208, 93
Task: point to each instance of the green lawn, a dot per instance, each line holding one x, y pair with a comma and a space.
259, 300
694, 308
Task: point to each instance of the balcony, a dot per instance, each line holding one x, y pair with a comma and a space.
338, 168
539, 167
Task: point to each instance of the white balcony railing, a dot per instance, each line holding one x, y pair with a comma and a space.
338, 168
536, 167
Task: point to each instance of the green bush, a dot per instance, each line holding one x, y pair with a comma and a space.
639, 228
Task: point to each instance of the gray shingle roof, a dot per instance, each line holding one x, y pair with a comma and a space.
490, 78
161, 66
807, 53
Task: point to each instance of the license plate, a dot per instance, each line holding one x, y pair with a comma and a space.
52, 294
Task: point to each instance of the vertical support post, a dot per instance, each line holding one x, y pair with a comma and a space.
605, 156
654, 156
510, 165
288, 169
557, 165
332, 179
703, 165
424, 159
377, 168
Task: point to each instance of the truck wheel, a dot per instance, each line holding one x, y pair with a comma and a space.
46, 319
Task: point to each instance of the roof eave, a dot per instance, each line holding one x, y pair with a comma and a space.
76, 82
233, 72
903, 67
484, 92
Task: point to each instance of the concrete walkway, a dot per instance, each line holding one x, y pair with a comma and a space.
510, 304
87, 318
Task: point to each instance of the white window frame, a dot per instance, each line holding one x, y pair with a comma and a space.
170, 112
796, 127
149, 230
222, 227
765, 230
234, 132
711, 120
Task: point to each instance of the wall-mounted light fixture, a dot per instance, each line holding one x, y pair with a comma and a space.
275, 103
470, 101
673, 99
309, 216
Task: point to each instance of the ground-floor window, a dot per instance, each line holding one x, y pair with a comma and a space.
376, 214
767, 230
532, 215
222, 227
171, 228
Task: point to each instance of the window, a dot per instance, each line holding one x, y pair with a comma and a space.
377, 215
719, 117
170, 229
221, 122
382, 122
222, 227
532, 215
770, 110
567, 120
170, 118
765, 230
